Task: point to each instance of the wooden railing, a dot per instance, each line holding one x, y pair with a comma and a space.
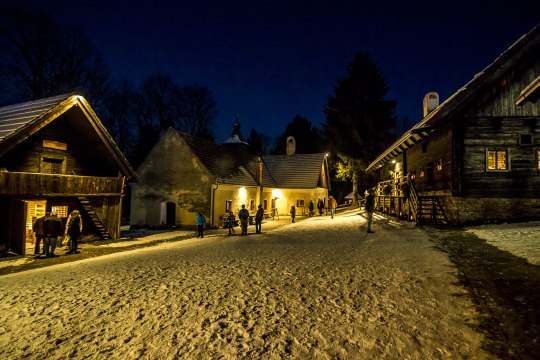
402, 199
34, 184
413, 198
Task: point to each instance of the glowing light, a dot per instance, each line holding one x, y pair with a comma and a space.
394, 161
242, 193
277, 194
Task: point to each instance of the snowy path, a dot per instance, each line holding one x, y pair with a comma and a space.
317, 289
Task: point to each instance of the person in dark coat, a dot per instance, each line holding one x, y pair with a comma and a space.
243, 215
293, 213
320, 206
259, 216
230, 223
311, 208
73, 230
370, 205
52, 229
37, 227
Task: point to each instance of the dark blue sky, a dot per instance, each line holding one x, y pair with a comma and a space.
271, 60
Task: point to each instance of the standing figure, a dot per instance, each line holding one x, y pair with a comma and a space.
52, 229
332, 204
293, 213
231, 220
311, 208
259, 216
37, 227
73, 230
370, 205
201, 223
243, 215
320, 206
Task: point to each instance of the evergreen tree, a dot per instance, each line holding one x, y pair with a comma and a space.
360, 122
258, 143
308, 137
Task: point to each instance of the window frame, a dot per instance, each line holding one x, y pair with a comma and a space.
506, 151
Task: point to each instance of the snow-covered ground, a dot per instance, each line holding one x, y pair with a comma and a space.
520, 239
317, 289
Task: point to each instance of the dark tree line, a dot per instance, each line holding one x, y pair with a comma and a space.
40, 58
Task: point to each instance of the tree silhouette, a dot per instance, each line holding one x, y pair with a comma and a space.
359, 121
40, 58
308, 137
258, 143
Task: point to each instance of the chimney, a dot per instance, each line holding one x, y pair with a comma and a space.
431, 101
291, 146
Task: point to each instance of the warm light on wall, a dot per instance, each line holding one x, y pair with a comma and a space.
242, 194
277, 194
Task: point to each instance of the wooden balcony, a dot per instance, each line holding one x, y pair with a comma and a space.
39, 185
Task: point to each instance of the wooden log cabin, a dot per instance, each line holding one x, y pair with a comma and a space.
55, 155
475, 157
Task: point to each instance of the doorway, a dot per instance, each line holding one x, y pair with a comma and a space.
170, 217
34, 210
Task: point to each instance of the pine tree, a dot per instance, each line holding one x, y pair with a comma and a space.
359, 120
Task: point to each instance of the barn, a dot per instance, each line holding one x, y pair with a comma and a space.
56, 155
476, 156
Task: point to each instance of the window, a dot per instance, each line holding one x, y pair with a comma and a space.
52, 166
251, 205
422, 172
228, 206
61, 211
299, 203
265, 204
439, 165
537, 159
525, 139
497, 160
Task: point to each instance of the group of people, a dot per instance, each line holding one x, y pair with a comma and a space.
243, 215
50, 229
332, 205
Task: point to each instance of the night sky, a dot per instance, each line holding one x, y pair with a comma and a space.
271, 60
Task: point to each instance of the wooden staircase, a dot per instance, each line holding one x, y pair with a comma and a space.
96, 220
426, 209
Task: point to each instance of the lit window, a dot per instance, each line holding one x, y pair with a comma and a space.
422, 172
497, 160
439, 165
61, 211
537, 159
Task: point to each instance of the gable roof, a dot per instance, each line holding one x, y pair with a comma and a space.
223, 162
530, 93
464, 96
20, 121
296, 171
237, 167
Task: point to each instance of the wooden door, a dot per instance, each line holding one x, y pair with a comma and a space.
17, 227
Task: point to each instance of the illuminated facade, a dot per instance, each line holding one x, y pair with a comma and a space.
474, 157
55, 155
184, 174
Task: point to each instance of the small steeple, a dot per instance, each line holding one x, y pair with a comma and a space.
236, 135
